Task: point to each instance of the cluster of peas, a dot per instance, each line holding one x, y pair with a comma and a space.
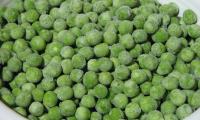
99, 60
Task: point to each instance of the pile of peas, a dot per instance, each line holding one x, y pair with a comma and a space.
99, 60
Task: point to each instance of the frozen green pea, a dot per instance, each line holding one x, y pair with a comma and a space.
20, 79
164, 68
150, 27
170, 117
14, 64
181, 66
31, 15
76, 31
158, 49
36, 108
37, 94
90, 79
99, 6
104, 17
21, 111
189, 17
36, 26
115, 49
23, 99
127, 41
125, 58
116, 113
33, 74
130, 88
48, 84
170, 82
88, 101
187, 54
34, 60
11, 15
67, 52
157, 92
183, 111
79, 90
54, 113
139, 76
66, 37
120, 101
82, 113
67, 66
170, 9
96, 116
59, 25
7, 75
146, 47
88, 27
155, 115
46, 21
28, 87
81, 42
139, 36
87, 7
105, 78
123, 13
100, 91
105, 64
148, 61
50, 99
145, 88
94, 37
103, 106
67, 108
76, 75
42, 6
174, 30
87, 52
101, 50
168, 107
148, 104
133, 110
9, 99
160, 36
139, 21
194, 99
93, 65
110, 37
64, 93
29, 33
136, 51
17, 32
78, 61
193, 31
37, 43
187, 81
7, 45
121, 72
168, 56
125, 27
64, 80
81, 19
177, 97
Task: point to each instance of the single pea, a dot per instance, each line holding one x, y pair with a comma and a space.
7, 75
48, 84
177, 97
81, 42
123, 13
187, 54
79, 90
76, 75
125, 27
81, 19
168, 107
183, 111
148, 61
10, 14
54, 113
110, 37
155, 115
187, 81
94, 37
174, 30
82, 113
145, 88
78, 61
105, 78
33, 74
195, 99
130, 88
99, 6
37, 43
14, 64
164, 68
96, 116
34, 60
168, 56
181, 66
193, 31
9, 99
93, 65
50, 99
139, 21
115, 49
151, 26
125, 58
157, 92
20, 79
37, 94
101, 50
139, 76
100, 91
139, 36
28, 87
67, 52
17, 32
127, 41
88, 27
67, 108
170, 117
103, 106
116, 113
87, 52
121, 72
64, 93
189, 17
105, 64
160, 36
66, 37
67, 66
36, 108
46, 21
158, 49
88, 101
23, 99
148, 104
21, 111
133, 110
120, 101
170, 9
170, 83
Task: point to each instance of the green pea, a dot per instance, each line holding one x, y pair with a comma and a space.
67, 108
148, 104
168, 107
64, 92
88, 101
103, 106
82, 113
79, 90
36, 108
123, 13
133, 110
50, 99
189, 17
130, 88
177, 97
